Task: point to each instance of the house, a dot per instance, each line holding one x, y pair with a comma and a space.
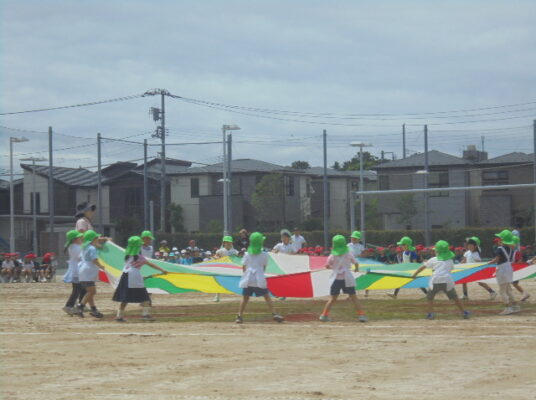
503, 207
446, 209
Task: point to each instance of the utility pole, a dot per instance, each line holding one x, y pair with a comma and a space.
326, 194
50, 189
99, 181
151, 216
403, 140
482, 138
229, 182
145, 188
534, 175
34, 202
426, 171
160, 114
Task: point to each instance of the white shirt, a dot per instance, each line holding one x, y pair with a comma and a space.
75, 252
341, 268
223, 252
83, 224
132, 268
356, 248
285, 248
147, 251
472, 257
298, 241
254, 274
441, 272
8, 264
28, 265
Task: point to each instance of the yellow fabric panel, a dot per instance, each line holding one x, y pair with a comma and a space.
205, 284
111, 270
389, 282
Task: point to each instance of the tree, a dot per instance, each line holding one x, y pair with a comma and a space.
372, 217
177, 220
215, 226
126, 227
353, 164
269, 201
407, 208
300, 165
336, 166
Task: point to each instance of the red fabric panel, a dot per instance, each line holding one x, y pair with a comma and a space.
317, 262
103, 277
293, 285
487, 273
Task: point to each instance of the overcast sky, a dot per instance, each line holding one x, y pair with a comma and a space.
339, 57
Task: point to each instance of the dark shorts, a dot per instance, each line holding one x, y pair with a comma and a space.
339, 285
87, 284
441, 287
252, 290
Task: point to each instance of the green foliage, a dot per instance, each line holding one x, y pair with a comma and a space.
126, 227
336, 166
373, 219
312, 224
300, 165
353, 164
406, 206
177, 220
268, 200
215, 225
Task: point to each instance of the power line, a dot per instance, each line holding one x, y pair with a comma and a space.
93, 103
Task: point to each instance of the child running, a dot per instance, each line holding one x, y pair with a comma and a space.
131, 288
504, 255
441, 279
225, 250
472, 256
89, 272
340, 262
73, 241
253, 281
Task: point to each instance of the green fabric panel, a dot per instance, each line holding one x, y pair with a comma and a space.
162, 284
365, 281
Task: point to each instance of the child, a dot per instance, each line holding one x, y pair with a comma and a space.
441, 279
8, 266
131, 288
253, 281
73, 241
504, 256
88, 272
163, 247
340, 262
225, 250
49, 267
355, 244
515, 284
408, 256
298, 240
472, 256
28, 267
285, 246
147, 248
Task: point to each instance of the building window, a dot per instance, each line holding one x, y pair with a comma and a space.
438, 179
133, 199
384, 182
194, 187
495, 178
289, 185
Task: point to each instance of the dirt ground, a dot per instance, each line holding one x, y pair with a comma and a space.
48, 355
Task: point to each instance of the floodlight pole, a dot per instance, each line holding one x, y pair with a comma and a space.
50, 188
99, 181
326, 194
403, 140
145, 188
163, 161
426, 221
534, 176
224, 172
228, 182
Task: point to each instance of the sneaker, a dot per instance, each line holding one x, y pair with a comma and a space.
363, 318
216, 299
68, 310
526, 297
239, 319
430, 315
78, 310
96, 314
391, 295
507, 311
466, 314
277, 318
516, 308
147, 318
492, 295
120, 320
324, 318
281, 298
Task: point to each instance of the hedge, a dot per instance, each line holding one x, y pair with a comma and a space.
455, 237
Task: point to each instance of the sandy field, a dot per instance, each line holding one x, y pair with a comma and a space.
47, 354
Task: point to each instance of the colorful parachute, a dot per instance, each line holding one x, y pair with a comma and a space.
287, 275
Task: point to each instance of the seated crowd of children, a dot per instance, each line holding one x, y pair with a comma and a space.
26, 268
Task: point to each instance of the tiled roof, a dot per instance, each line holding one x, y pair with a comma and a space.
70, 176
511, 158
435, 158
243, 165
319, 171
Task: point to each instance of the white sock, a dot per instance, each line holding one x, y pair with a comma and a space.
120, 313
145, 311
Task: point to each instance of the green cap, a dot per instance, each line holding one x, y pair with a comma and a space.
406, 240
256, 240
475, 239
339, 246
147, 234
443, 252
516, 239
72, 235
90, 236
227, 239
356, 235
506, 237
133, 246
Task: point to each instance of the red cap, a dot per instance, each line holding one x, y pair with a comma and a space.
523, 248
30, 255
419, 247
399, 249
380, 249
496, 240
